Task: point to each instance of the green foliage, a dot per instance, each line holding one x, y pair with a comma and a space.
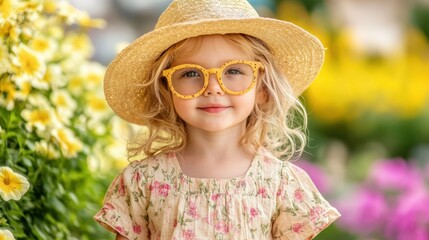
54, 123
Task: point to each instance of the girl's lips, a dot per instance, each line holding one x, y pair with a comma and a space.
213, 109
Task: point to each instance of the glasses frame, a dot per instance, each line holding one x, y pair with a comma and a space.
168, 73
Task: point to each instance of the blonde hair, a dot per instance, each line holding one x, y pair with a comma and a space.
277, 123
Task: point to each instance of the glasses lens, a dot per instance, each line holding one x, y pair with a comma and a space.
188, 80
237, 77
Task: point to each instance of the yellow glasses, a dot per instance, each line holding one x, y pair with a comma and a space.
236, 77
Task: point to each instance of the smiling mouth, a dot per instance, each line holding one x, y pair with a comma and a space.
213, 109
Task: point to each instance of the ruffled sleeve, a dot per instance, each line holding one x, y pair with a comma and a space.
125, 203
301, 211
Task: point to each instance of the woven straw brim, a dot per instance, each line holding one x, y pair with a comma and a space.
298, 53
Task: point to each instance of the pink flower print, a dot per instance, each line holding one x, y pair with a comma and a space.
137, 176
188, 234
222, 227
137, 228
315, 213
121, 187
253, 212
107, 207
279, 192
263, 192
119, 229
299, 195
215, 197
164, 189
160, 189
192, 210
297, 227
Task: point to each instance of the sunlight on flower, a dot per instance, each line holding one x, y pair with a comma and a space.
12, 185
6, 235
40, 118
45, 46
70, 145
29, 63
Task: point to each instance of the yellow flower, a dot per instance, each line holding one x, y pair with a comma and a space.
45, 46
53, 76
93, 73
12, 185
49, 6
97, 106
78, 45
29, 64
6, 235
6, 8
70, 145
9, 89
64, 105
85, 21
42, 118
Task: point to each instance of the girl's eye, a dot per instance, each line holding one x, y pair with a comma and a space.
233, 71
191, 74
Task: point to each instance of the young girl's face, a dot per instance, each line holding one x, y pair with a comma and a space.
214, 110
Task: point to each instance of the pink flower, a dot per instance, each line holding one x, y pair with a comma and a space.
137, 228
223, 227
192, 210
137, 176
215, 197
316, 213
253, 212
119, 229
364, 211
263, 192
297, 227
121, 187
160, 189
395, 175
299, 195
188, 234
164, 190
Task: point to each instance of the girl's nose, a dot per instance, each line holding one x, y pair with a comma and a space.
213, 88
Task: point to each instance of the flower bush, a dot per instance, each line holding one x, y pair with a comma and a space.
55, 126
390, 204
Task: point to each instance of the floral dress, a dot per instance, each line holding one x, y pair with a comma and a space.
153, 199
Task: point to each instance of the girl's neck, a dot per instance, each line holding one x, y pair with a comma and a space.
215, 145
214, 155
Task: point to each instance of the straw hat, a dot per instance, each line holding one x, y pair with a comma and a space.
298, 53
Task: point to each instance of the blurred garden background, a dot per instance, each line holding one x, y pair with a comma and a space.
61, 145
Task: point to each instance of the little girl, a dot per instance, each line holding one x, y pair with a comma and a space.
216, 87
